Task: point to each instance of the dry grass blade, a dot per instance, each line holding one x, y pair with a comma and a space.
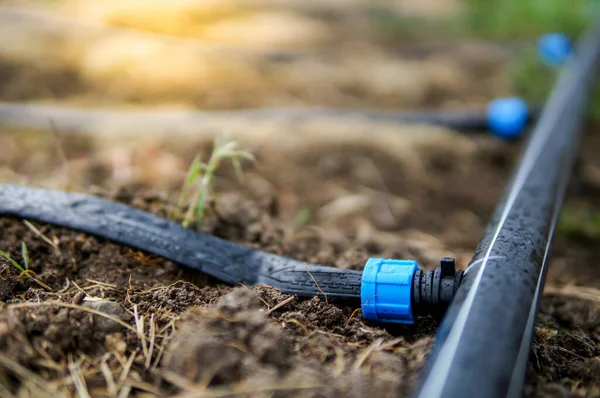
317, 284
4, 392
162, 287
281, 304
75, 307
170, 325
151, 342
124, 387
127, 367
149, 388
389, 345
159, 354
299, 324
39, 384
111, 386
124, 392
67, 285
376, 345
103, 284
40, 235
177, 380
78, 379
32, 275
164, 334
139, 329
352, 315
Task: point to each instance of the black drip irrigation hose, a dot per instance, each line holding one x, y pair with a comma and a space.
73, 120
483, 344
462, 120
421, 292
226, 261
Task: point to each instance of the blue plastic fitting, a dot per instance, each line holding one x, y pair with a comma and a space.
554, 49
507, 117
386, 290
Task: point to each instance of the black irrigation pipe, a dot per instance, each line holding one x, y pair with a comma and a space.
483, 343
233, 264
226, 261
74, 120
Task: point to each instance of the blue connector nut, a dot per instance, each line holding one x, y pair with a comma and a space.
386, 290
507, 117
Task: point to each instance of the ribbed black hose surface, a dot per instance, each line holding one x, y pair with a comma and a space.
483, 343
229, 262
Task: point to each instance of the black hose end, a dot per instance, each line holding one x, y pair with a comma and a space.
434, 290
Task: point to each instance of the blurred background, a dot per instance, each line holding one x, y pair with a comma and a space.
118, 97
108, 66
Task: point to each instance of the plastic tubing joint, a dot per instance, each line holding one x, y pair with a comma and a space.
396, 291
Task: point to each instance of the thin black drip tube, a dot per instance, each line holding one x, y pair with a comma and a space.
483, 343
226, 261
74, 120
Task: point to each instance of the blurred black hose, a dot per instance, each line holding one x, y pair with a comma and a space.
96, 121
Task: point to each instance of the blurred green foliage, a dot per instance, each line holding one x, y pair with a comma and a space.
580, 222
492, 19
504, 19
520, 21
533, 81
530, 78
527, 20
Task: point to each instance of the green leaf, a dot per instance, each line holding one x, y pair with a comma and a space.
13, 262
303, 216
25, 254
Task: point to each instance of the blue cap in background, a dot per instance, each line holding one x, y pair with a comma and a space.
507, 117
554, 49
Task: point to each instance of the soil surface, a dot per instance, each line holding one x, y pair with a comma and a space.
93, 318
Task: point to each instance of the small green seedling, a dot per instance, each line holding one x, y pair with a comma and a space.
13, 262
24, 270
25, 255
303, 216
198, 183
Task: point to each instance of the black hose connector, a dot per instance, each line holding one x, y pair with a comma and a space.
433, 290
